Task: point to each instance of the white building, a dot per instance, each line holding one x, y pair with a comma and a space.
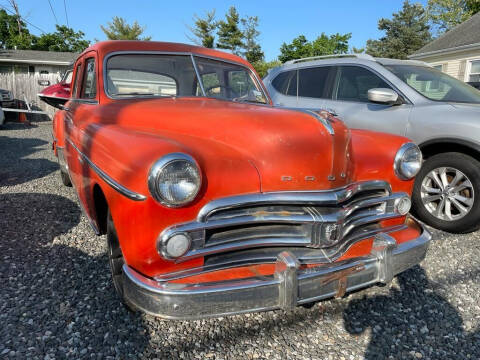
457, 52
35, 62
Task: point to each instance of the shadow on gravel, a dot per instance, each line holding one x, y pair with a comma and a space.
55, 299
15, 167
412, 322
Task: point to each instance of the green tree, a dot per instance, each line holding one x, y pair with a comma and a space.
446, 14
64, 39
119, 29
262, 67
405, 33
10, 37
473, 6
358, 50
203, 30
253, 51
300, 47
230, 36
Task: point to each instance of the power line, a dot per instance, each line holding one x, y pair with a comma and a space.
65, 7
53, 12
23, 19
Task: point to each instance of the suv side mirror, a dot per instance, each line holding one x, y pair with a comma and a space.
384, 96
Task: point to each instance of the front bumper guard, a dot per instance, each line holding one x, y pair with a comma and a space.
290, 286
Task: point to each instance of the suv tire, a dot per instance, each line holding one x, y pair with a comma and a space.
446, 193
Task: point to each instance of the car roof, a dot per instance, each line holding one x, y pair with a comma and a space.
105, 47
345, 58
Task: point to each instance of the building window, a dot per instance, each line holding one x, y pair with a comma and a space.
438, 67
5, 69
474, 71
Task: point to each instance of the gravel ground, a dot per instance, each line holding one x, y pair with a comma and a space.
57, 299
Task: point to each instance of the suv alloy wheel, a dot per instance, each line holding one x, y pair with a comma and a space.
446, 192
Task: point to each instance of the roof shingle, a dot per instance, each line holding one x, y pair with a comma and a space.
37, 57
466, 33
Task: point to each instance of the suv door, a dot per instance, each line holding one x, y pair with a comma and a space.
349, 100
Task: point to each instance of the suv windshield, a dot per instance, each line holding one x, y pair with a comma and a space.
158, 75
435, 85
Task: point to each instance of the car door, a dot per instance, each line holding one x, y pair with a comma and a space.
79, 114
349, 100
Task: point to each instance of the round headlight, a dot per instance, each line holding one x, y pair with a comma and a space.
174, 180
408, 161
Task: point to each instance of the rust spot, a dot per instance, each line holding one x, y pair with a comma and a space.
341, 276
262, 213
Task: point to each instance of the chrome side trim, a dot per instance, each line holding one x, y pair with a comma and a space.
326, 197
288, 287
114, 184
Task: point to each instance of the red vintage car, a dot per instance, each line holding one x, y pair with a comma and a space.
213, 201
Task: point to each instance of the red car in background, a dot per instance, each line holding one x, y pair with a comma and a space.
58, 94
213, 201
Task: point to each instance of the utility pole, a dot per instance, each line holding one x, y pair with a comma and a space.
14, 4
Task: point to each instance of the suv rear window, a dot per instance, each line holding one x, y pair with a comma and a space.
286, 83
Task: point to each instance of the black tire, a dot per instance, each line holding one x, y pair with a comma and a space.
65, 178
116, 261
470, 168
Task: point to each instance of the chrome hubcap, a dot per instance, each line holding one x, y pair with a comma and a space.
447, 193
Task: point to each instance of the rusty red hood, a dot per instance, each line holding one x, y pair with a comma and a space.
290, 150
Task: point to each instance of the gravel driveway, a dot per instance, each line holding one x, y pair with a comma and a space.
57, 299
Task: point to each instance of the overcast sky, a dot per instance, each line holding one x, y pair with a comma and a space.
167, 20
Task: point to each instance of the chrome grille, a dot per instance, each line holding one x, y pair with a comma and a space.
327, 220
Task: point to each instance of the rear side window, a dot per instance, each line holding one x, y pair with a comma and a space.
89, 90
76, 83
312, 82
286, 83
353, 83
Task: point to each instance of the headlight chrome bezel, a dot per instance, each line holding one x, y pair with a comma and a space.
156, 171
399, 159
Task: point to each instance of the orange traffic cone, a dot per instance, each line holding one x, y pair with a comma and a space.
22, 117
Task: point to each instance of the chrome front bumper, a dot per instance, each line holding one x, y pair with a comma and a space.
290, 286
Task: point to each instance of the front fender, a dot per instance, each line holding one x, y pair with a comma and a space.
127, 156
373, 155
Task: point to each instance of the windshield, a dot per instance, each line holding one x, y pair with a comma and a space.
157, 75
436, 85
67, 77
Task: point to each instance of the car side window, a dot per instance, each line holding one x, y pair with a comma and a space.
312, 82
89, 89
353, 83
76, 83
286, 83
